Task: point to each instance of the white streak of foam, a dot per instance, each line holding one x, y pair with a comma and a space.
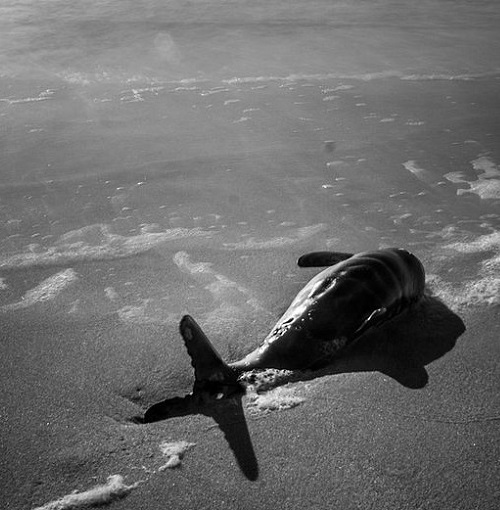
326, 76
97, 242
113, 489
3, 285
28, 100
226, 292
174, 452
337, 89
213, 91
420, 173
361, 77
43, 96
47, 290
192, 84
441, 76
278, 242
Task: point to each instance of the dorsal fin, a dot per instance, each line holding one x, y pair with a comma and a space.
322, 258
207, 363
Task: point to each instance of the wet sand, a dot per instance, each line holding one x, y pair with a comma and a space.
358, 435
91, 303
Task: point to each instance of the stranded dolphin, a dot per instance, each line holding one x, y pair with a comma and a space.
328, 315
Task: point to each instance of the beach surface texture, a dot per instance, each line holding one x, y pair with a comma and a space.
168, 158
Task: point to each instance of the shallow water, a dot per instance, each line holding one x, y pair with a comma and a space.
133, 40
159, 158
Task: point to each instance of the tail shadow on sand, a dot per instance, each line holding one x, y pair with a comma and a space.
400, 348
227, 412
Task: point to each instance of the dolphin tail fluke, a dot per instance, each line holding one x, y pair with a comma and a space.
322, 258
212, 374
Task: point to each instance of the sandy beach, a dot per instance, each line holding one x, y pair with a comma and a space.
129, 200
352, 436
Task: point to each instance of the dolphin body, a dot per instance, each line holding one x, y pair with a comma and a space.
332, 311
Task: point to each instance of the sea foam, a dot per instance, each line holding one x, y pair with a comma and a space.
45, 291
277, 399
278, 242
361, 77
484, 289
113, 489
96, 242
487, 185
174, 451
420, 173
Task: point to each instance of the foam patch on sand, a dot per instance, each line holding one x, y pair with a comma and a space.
487, 185
278, 242
96, 242
47, 290
174, 452
145, 313
272, 390
113, 489
482, 290
257, 381
277, 399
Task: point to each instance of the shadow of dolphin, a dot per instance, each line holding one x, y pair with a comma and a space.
400, 348
404, 346
226, 411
